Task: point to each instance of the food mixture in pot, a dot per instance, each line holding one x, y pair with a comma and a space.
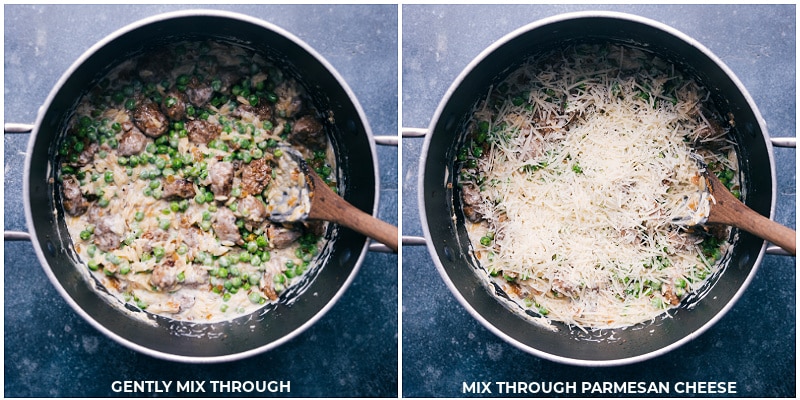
165, 169
570, 176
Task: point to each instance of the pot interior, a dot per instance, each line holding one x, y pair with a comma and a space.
450, 245
297, 308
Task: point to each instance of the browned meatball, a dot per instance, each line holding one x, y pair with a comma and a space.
472, 198
309, 132
225, 226
221, 175
74, 202
255, 176
252, 209
131, 143
149, 119
199, 93
281, 237
202, 131
164, 275
177, 188
262, 110
108, 229
173, 105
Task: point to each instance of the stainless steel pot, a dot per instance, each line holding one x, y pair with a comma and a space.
298, 308
446, 236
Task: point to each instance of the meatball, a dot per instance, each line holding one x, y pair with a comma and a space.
131, 143
225, 226
202, 131
164, 275
252, 209
198, 93
149, 119
178, 188
309, 132
108, 231
221, 175
86, 155
173, 105
255, 176
74, 202
281, 237
472, 198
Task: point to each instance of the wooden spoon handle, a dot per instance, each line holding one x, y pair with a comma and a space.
329, 206
746, 219
730, 211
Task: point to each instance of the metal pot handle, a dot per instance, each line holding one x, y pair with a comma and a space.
10, 127
414, 133
422, 132
383, 140
790, 142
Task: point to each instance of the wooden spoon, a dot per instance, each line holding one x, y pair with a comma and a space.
326, 205
728, 210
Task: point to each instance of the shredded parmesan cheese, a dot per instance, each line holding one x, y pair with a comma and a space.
575, 167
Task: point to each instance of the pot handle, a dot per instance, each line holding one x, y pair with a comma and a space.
789, 142
407, 241
414, 133
16, 236
784, 141
12, 127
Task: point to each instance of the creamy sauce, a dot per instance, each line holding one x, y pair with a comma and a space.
165, 171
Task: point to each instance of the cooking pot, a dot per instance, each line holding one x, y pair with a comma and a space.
300, 306
443, 223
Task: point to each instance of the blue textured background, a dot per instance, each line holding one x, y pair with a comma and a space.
753, 345
51, 351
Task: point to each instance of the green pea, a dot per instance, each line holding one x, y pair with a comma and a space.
256, 298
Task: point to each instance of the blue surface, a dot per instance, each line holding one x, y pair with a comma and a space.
753, 345
50, 351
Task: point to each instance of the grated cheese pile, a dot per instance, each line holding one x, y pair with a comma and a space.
573, 171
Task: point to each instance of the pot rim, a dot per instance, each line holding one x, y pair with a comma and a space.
86, 55
481, 57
